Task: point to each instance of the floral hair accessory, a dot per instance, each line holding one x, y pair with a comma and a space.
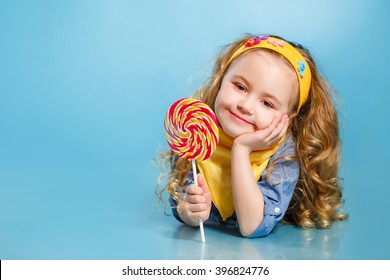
301, 68
255, 40
275, 43
289, 52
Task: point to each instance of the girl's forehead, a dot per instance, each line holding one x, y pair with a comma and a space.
269, 57
250, 61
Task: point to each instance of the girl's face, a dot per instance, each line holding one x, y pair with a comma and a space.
257, 88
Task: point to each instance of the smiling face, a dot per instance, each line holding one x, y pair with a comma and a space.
257, 88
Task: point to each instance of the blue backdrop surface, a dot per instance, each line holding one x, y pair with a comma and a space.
84, 87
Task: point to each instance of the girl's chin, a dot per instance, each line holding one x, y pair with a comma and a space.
235, 132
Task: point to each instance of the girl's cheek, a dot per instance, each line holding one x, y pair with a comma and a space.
263, 121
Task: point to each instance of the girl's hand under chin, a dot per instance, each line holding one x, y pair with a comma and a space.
263, 138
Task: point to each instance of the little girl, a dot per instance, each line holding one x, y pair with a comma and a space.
279, 146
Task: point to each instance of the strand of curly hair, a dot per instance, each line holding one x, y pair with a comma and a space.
317, 198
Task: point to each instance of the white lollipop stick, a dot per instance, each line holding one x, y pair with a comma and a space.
200, 220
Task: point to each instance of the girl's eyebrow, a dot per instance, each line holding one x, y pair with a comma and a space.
240, 77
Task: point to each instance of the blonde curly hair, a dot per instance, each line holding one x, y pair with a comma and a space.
317, 197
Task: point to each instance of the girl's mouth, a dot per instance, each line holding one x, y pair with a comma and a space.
239, 118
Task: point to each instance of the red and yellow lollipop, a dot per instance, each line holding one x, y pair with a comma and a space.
191, 129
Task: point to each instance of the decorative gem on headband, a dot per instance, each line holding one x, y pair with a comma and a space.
275, 43
255, 40
301, 68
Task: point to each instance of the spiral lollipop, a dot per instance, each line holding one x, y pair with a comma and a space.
191, 129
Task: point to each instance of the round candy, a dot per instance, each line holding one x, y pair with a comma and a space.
191, 129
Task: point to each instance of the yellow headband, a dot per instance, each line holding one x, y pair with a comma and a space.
295, 58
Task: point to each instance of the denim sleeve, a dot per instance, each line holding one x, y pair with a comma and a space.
278, 192
173, 205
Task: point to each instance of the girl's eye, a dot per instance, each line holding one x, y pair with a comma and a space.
240, 87
267, 104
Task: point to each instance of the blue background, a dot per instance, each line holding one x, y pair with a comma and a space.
84, 87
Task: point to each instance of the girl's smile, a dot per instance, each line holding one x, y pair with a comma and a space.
239, 119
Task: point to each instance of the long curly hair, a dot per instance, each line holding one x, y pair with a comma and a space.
317, 198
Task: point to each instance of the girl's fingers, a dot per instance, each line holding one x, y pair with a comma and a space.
279, 130
199, 207
194, 190
266, 137
271, 128
285, 127
267, 132
202, 184
196, 194
196, 199
282, 126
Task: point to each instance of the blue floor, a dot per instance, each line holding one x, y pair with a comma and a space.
97, 214
84, 87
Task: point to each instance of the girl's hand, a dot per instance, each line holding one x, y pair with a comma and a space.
264, 138
196, 203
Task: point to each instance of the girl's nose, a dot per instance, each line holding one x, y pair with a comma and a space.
245, 105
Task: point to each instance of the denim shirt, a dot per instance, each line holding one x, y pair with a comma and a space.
277, 193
